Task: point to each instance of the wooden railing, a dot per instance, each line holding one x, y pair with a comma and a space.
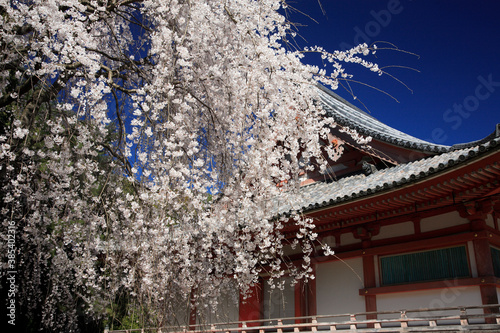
453, 319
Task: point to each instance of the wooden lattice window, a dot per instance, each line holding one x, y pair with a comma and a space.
495, 256
441, 264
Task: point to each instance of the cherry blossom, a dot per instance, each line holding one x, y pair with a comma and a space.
141, 145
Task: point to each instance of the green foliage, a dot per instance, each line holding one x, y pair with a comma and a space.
123, 314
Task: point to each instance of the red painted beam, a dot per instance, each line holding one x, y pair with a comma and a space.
465, 282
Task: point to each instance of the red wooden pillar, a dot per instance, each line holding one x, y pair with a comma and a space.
485, 267
300, 300
370, 282
192, 318
477, 213
365, 234
305, 297
192, 310
311, 294
251, 307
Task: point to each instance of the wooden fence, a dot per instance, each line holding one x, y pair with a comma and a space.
452, 319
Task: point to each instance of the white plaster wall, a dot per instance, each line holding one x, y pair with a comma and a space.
288, 250
226, 310
451, 296
337, 287
329, 240
279, 303
348, 239
489, 221
395, 230
180, 316
442, 221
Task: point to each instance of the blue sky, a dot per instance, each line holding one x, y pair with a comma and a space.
455, 94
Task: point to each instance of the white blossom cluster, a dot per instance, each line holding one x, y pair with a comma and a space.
141, 145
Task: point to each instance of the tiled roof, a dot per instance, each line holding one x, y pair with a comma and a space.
352, 117
322, 194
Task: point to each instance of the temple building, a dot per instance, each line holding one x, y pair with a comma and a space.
414, 225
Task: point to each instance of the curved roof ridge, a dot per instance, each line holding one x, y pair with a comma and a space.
490, 137
322, 194
351, 116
